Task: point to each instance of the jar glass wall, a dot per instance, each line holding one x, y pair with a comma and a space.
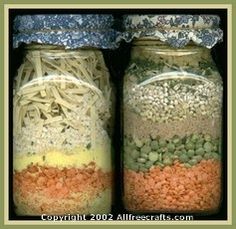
172, 114
62, 140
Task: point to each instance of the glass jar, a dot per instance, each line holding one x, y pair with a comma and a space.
62, 142
63, 112
172, 114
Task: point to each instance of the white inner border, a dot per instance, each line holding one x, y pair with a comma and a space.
7, 7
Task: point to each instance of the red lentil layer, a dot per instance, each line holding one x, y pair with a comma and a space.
50, 190
175, 188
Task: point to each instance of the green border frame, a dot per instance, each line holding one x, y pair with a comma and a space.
104, 4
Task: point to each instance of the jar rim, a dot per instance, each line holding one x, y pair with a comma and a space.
37, 46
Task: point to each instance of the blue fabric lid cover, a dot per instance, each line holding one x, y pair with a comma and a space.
176, 30
69, 30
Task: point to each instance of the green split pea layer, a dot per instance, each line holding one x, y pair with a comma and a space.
141, 155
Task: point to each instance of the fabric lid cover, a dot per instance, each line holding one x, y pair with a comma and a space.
176, 30
69, 30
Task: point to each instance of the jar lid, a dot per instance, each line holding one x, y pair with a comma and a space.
68, 30
176, 30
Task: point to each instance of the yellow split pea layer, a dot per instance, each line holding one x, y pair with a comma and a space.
77, 158
54, 182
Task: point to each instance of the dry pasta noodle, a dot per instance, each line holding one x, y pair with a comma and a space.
87, 65
30, 97
50, 84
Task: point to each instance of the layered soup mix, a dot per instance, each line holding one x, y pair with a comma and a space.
172, 131
62, 146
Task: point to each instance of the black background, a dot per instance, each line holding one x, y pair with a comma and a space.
117, 61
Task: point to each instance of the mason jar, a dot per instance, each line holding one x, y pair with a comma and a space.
172, 128
62, 107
